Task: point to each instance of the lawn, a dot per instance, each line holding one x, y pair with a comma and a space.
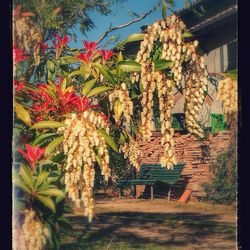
157, 225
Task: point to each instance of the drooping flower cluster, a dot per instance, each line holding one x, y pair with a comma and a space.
166, 103
121, 103
174, 48
227, 93
196, 85
27, 35
84, 145
131, 151
32, 233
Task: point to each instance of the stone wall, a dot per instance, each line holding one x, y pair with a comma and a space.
196, 154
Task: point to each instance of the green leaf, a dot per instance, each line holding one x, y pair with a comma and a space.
109, 140
41, 178
162, 64
86, 70
88, 86
118, 109
43, 137
47, 201
53, 192
58, 158
233, 74
99, 90
67, 60
164, 9
129, 66
65, 224
106, 73
77, 72
119, 71
132, 38
187, 34
19, 183
52, 145
22, 113
51, 67
48, 124
98, 159
26, 176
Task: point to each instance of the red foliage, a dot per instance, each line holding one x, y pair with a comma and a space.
106, 54
33, 154
18, 55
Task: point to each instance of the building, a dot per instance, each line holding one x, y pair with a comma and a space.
216, 31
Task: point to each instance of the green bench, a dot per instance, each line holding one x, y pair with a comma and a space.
150, 174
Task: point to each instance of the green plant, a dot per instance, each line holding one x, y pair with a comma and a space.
223, 188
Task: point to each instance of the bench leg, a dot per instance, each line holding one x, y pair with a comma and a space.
120, 193
152, 192
169, 194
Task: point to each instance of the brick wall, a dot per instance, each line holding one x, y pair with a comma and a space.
196, 154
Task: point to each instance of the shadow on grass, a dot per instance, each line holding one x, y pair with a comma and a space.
139, 230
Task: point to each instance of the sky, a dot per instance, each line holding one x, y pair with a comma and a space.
120, 16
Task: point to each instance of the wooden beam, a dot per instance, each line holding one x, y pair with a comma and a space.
152, 192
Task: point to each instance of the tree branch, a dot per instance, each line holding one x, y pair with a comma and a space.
127, 24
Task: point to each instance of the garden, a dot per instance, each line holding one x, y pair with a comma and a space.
79, 117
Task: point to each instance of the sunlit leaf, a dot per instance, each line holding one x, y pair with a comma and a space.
233, 74
162, 64
51, 67
52, 145
47, 124
164, 9
109, 140
129, 66
187, 34
88, 86
22, 113
98, 90
43, 137
52, 192
119, 71
41, 178
132, 38
106, 73
19, 183
118, 109
26, 176
47, 201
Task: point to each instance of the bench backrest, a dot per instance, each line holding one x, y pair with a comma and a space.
158, 173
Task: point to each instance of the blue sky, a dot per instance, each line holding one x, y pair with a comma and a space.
120, 16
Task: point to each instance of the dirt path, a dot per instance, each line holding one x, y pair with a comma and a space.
158, 224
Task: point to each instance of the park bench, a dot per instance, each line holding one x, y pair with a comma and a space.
150, 174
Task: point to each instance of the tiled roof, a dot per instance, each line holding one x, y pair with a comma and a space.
212, 18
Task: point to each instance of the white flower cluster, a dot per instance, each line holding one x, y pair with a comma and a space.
81, 138
196, 86
131, 151
33, 234
166, 103
149, 84
174, 48
122, 94
27, 35
227, 93
135, 77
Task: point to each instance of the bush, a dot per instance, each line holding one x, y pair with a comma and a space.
223, 188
